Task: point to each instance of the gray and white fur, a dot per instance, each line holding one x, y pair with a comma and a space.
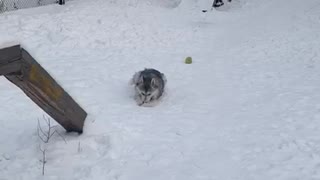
149, 85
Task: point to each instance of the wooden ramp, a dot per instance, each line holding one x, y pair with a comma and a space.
19, 67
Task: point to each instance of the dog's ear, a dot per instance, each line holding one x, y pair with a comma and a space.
136, 79
154, 83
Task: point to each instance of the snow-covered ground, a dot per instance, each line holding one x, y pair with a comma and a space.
248, 108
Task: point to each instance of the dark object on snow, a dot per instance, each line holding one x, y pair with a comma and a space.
218, 3
10, 5
62, 2
19, 67
149, 85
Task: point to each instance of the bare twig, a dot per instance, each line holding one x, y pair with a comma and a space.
79, 147
45, 136
44, 160
40, 137
61, 136
51, 134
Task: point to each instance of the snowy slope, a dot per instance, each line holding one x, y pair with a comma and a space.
247, 108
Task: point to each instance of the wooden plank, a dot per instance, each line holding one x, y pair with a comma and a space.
10, 60
40, 87
10, 54
10, 68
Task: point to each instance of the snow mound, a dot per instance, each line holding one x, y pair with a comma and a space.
166, 3
160, 3
8, 44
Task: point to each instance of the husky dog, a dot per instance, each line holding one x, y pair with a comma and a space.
149, 85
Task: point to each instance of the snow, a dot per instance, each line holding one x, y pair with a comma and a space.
247, 108
8, 44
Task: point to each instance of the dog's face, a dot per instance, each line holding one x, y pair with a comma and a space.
147, 88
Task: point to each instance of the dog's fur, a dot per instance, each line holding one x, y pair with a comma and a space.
149, 85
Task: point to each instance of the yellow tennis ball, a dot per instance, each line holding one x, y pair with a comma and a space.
188, 60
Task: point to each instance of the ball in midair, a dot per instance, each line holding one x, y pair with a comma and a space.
188, 60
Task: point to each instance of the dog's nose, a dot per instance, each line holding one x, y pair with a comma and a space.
146, 94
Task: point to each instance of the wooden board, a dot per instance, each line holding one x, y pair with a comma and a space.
10, 60
40, 87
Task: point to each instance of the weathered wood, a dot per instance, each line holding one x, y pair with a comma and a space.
10, 54
10, 68
10, 60
40, 87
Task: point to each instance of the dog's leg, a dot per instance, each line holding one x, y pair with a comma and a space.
139, 99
